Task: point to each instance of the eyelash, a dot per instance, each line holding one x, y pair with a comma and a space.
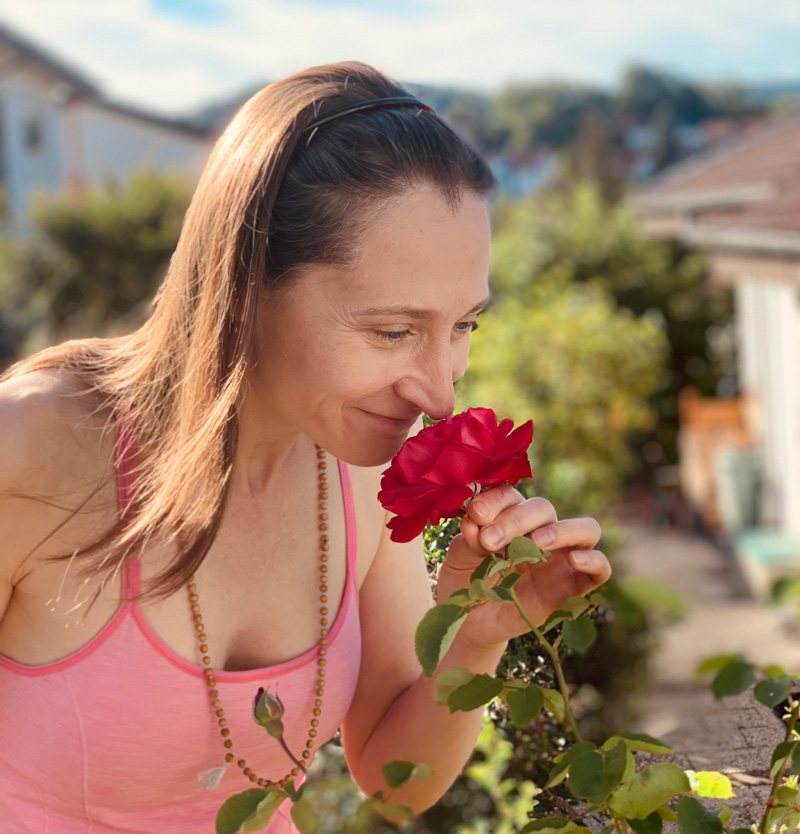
399, 335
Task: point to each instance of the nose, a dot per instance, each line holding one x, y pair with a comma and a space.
429, 383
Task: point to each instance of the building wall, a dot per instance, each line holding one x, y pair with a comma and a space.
32, 141
768, 317
117, 144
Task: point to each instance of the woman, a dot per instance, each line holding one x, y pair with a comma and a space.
189, 512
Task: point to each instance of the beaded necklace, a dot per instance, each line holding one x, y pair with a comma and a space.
213, 692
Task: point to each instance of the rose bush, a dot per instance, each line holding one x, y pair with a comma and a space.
436, 471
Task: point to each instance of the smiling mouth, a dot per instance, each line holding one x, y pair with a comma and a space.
398, 422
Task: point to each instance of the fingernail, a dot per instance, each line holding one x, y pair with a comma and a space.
544, 537
479, 508
580, 559
492, 535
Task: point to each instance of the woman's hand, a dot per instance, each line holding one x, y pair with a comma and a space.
493, 519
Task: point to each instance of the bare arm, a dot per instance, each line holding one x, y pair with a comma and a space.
394, 715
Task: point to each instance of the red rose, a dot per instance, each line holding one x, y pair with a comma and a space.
434, 472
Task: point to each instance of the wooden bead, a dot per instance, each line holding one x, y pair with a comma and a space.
314, 722
241, 763
222, 722
306, 754
317, 703
228, 743
309, 744
261, 783
229, 757
295, 771
214, 694
247, 771
225, 732
253, 777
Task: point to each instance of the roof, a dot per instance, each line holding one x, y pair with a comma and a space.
16, 51
21, 51
743, 195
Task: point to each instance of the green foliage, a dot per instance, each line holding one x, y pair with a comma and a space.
619, 282
91, 261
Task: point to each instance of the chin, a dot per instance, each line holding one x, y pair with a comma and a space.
372, 453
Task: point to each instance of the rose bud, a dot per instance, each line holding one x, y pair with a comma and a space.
268, 711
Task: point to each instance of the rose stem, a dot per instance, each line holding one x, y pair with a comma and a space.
776, 782
553, 655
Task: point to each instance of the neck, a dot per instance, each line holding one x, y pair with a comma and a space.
266, 445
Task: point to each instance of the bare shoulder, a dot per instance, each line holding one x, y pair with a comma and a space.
49, 428
56, 455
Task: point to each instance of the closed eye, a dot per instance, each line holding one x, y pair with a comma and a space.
392, 335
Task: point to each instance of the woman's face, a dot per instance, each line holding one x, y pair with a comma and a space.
351, 356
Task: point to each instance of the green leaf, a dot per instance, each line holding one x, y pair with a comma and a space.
733, 679
305, 817
552, 825
774, 671
654, 595
565, 760
482, 571
693, 818
460, 597
448, 681
524, 705
710, 784
554, 701
640, 743
498, 566
648, 790
237, 809
771, 693
579, 634
594, 775
397, 774
436, 632
715, 663
479, 690
522, 549
509, 581
795, 768
266, 808
651, 824
479, 589
779, 756
402, 812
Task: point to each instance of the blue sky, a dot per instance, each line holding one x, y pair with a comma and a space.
174, 55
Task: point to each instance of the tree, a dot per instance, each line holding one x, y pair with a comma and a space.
91, 261
580, 238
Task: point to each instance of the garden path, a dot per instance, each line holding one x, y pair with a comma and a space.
735, 735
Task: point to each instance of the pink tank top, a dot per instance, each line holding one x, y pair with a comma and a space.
112, 738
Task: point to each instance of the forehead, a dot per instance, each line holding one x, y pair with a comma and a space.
417, 247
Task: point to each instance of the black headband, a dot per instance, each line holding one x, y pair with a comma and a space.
372, 104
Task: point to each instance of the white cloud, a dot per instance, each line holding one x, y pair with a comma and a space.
163, 62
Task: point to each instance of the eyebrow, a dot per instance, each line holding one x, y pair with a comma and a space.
414, 312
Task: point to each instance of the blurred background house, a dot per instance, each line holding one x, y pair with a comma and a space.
58, 132
740, 457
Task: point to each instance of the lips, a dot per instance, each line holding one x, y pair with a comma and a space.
401, 423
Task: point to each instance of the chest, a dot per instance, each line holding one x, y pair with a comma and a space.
273, 578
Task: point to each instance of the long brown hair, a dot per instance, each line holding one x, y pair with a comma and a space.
272, 198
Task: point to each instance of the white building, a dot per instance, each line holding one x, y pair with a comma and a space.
740, 207
58, 132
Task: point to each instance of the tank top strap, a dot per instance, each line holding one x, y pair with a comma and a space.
126, 480
349, 519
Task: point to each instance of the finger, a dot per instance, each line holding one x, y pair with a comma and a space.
571, 532
518, 520
484, 508
471, 532
591, 568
